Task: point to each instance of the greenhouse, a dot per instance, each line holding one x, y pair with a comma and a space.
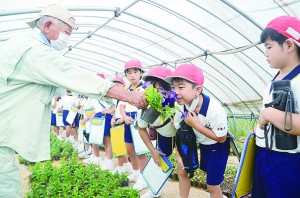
221, 37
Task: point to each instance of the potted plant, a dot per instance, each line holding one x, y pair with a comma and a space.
160, 103
124, 180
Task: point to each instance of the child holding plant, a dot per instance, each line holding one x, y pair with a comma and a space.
276, 172
205, 118
165, 129
133, 72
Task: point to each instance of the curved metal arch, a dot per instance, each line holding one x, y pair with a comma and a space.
116, 41
146, 40
201, 28
89, 58
116, 19
197, 47
211, 75
118, 46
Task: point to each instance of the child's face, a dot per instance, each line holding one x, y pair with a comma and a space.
185, 91
275, 54
133, 75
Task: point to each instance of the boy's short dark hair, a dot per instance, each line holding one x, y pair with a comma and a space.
176, 79
275, 36
166, 86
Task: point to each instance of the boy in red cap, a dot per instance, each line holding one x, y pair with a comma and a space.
276, 171
207, 120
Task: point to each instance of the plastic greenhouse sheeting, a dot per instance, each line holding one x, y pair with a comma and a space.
221, 37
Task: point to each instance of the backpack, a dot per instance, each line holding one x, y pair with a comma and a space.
186, 142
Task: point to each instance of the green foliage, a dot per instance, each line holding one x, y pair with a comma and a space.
241, 127
73, 179
156, 99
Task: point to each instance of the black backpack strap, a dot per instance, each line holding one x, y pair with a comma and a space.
164, 124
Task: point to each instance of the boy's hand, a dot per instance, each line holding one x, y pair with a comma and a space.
263, 121
191, 119
155, 155
112, 122
128, 120
120, 121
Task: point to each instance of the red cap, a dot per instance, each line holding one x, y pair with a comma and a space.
101, 75
119, 79
158, 72
188, 72
133, 64
287, 26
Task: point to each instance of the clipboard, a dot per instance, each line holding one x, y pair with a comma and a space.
97, 130
72, 114
233, 146
117, 140
139, 146
59, 119
244, 176
156, 176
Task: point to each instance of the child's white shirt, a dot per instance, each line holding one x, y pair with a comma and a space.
168, 130
215, 119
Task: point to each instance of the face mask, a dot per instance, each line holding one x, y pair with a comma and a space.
61, 43
193, 105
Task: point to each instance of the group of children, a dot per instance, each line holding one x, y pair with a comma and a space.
207, 120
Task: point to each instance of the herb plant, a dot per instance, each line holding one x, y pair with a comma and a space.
160, 100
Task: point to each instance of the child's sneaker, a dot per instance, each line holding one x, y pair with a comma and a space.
96, 161
88, 160
118, 169
133, 177
85, 154
149, 194
59, 137
107, 165
80, 149
140, 184
127, 168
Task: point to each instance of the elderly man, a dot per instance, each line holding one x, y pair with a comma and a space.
31, 70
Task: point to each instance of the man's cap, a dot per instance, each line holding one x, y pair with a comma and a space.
188, 72
287, 26
119, 79
133, 64
101, 75
57, 12
160, 72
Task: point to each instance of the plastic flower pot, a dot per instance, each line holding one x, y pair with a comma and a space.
150, 115
124, 183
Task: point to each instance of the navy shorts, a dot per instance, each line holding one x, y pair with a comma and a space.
276, 174
53, 119
166, 144
213, 160
75, 122
127, 131
107, 127
65, 114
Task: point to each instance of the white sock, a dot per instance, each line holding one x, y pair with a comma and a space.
136, 172
109, 162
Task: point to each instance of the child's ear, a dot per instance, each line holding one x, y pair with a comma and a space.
290, 45
198, 90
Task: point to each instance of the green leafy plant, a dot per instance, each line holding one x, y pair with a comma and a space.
160, 100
